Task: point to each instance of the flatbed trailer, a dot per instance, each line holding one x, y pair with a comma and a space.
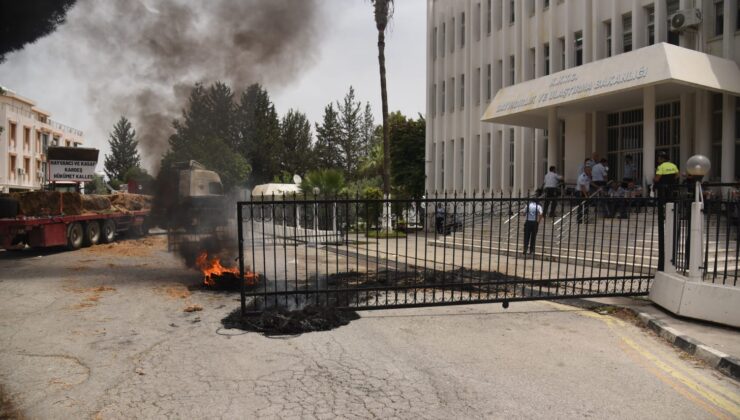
72, 232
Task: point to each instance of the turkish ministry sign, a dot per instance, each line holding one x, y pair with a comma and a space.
72, 164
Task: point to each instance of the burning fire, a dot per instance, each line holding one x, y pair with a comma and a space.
212, 268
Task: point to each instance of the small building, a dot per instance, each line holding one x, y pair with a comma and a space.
26, 132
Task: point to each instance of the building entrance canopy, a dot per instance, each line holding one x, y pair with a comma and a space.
613, 84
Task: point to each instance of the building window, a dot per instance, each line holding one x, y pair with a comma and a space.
511, 158
627, 32
561, 42
512, 13
434, 43
462, 29
38, 142
12, 134
26, 138
716, 157
500, 76
719, 17
546, 51
650, 12
462, 91
624, 138
442, 45
452, 94
488, 161
500, 8
578, 47
477, 87
441, 182
477, 21
12, 167
546, 4
668, 130
461, 166
488, 83
433, 105
488, 17
608, 37
532, 59
26, 167
452, 36
442, 99
672, 7
512, 70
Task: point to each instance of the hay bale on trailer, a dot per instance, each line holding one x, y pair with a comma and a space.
131, 202
95, 203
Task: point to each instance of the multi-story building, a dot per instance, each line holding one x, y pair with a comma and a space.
515, 86
26, 133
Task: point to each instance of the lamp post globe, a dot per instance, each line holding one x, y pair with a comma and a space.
698, 165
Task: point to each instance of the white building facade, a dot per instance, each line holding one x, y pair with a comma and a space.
516, 86
26, 133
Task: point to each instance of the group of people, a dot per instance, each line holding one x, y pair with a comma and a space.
593, 179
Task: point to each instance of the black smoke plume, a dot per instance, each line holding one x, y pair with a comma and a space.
140, 58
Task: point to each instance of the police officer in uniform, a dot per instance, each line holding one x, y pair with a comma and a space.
666, 177
533, 216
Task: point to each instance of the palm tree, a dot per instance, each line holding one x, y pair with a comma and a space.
383, 13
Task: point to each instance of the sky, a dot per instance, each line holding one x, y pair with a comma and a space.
346, 55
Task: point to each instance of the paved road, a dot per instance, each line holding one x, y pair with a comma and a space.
101, 333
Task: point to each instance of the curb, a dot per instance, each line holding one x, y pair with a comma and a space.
726, 364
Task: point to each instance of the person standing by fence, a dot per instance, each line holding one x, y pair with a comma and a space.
552, 190
666, 177
583, 188
533, 216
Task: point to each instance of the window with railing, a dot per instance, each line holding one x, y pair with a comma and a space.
462, 29
668, 130
716, 131
462, 91
477, 86
627, 32
608, 37
546, 52
650, 13
26, 139
624, 138
578, 48
12, 134
719, 17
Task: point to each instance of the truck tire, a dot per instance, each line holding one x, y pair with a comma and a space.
8, 207
108, 231
92, 233
75, 235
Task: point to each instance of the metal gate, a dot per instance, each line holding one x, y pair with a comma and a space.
447, 250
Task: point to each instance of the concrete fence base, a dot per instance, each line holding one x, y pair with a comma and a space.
695, 299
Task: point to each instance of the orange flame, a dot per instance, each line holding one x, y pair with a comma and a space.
212, 267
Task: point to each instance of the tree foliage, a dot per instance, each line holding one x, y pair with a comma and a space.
328, 182
259, 133
328, 153
123, 150
407, 138
26, 21
296, 152
207, 133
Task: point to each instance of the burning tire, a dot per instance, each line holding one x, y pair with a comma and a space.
92, 233
75, 235
108, 231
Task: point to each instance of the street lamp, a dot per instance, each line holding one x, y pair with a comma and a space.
697, 166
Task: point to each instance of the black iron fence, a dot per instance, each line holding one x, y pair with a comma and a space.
445, 250
720, 229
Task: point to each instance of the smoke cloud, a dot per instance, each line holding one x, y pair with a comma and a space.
140, 58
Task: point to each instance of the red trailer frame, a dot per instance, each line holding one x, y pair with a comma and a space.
42, 232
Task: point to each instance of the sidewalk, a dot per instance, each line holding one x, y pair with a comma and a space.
717, 345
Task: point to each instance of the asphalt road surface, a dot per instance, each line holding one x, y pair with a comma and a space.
101, 333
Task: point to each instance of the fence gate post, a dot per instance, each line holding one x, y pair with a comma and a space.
695, 248
668, 238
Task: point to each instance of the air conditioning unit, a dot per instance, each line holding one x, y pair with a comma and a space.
685, 19
40, 174
21, 171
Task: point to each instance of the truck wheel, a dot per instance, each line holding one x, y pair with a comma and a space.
74, 236
92, 233
8, 207
108, 231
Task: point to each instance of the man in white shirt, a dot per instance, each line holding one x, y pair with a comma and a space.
533, 215
630, 170
583, 189
599, 173
552, 190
